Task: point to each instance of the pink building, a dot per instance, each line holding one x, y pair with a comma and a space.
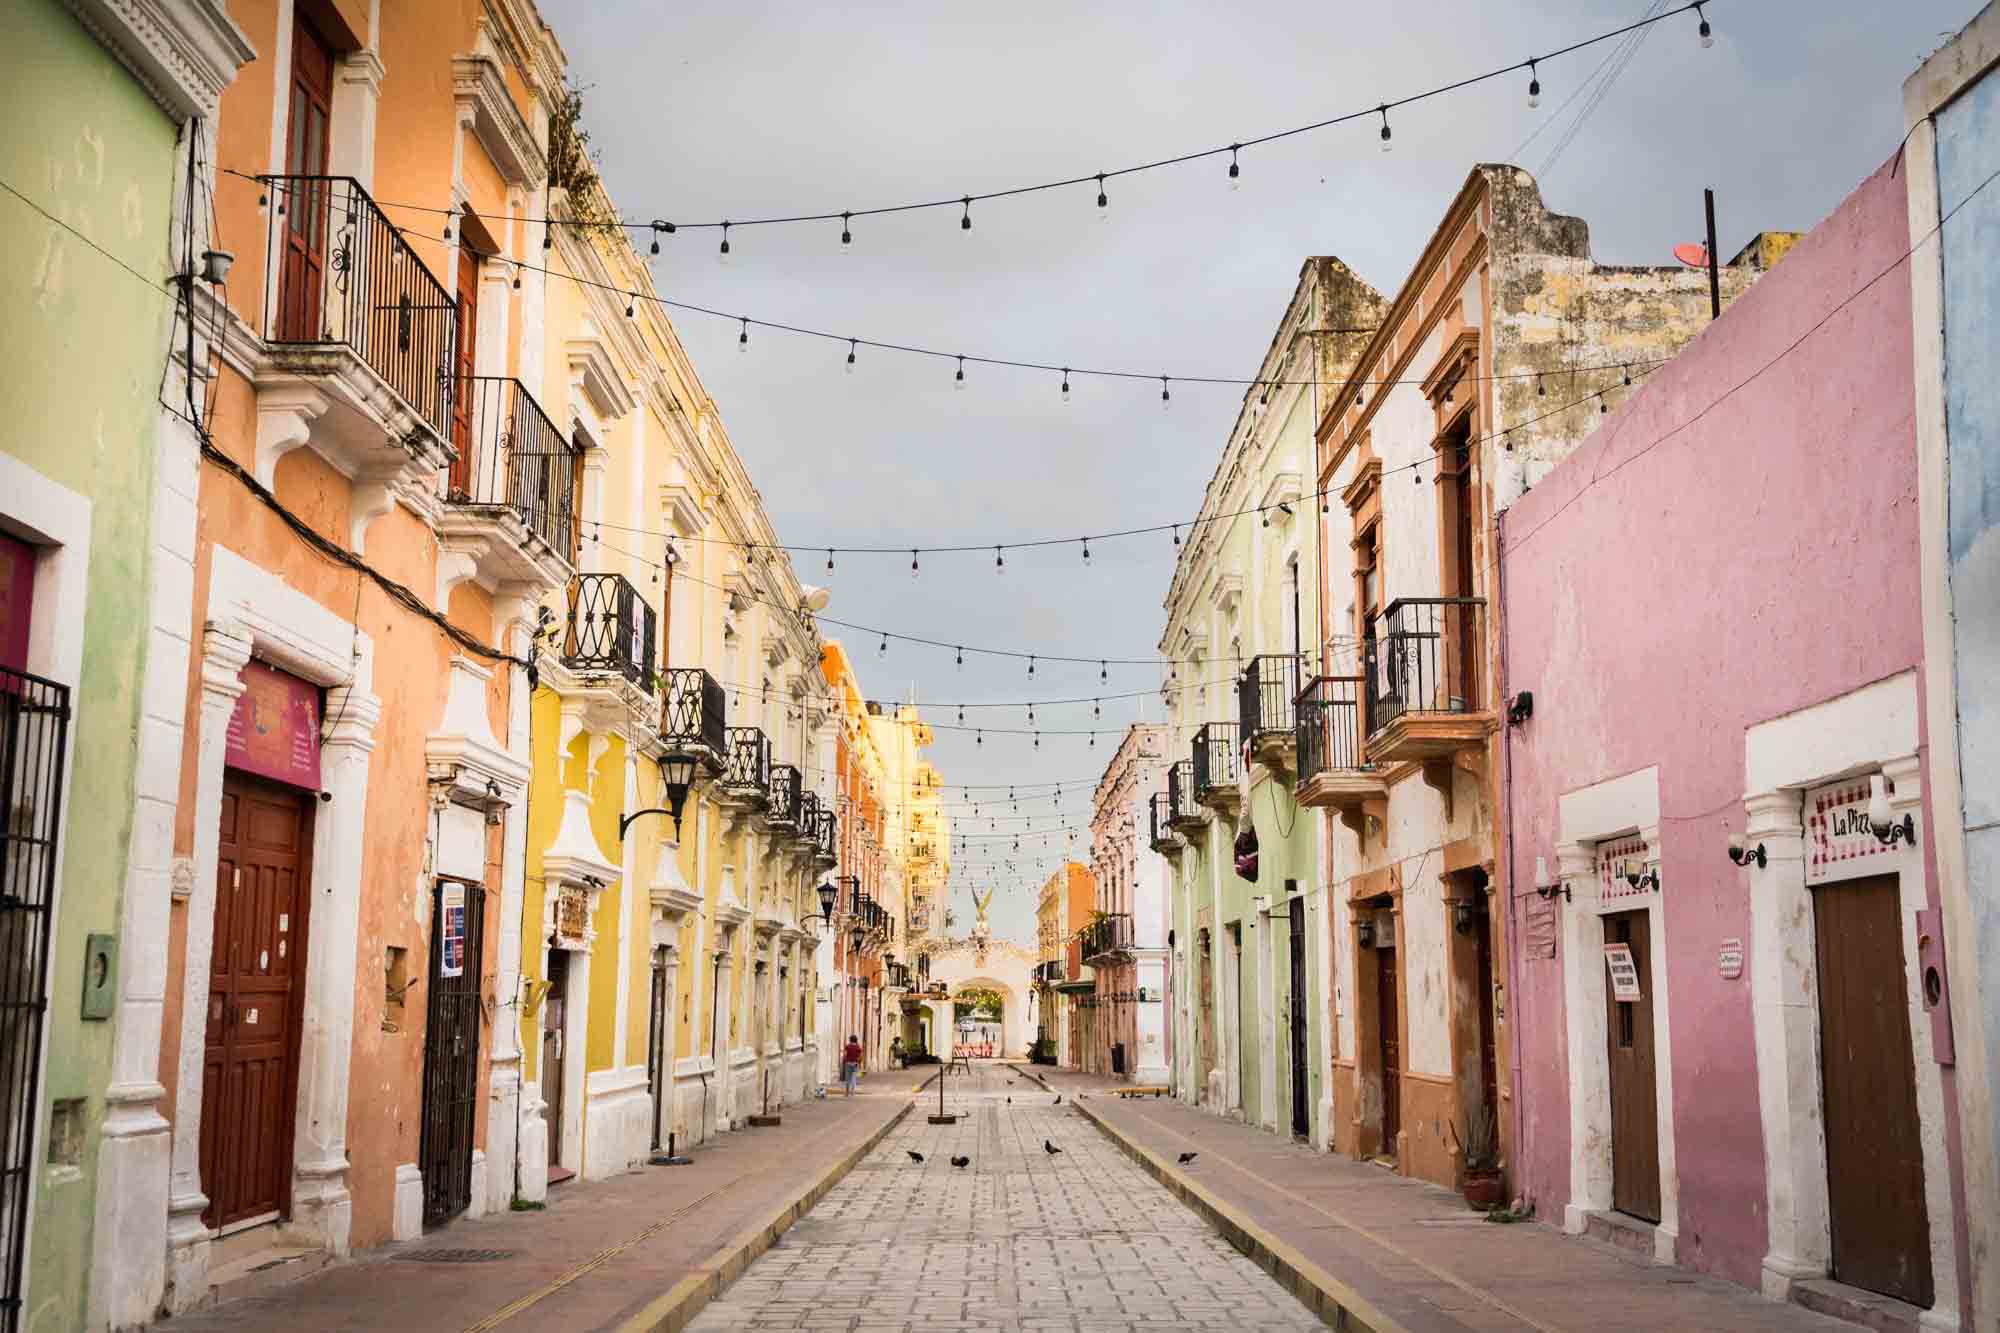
1736, 1055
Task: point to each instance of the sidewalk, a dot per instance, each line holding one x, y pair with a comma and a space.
1394, 1253
643, 1250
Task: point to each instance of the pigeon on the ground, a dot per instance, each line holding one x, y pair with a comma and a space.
915, 1156
1187, 1157
961, 1161
1050, 1148
1059, 1099
1010, 1101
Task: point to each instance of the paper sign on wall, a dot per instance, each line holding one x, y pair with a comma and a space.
1624, 972
451, 938
1729, 958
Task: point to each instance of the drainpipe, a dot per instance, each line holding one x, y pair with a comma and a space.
1507, 841
714, 1029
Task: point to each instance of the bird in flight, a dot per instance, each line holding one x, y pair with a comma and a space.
1050, 1148
915, 1156
1187, 1157
961, 1161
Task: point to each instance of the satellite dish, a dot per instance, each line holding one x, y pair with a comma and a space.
812, 598
1692, 254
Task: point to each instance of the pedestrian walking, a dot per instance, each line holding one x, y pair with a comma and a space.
850, 1064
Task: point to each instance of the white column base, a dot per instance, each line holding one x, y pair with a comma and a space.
1780, 1273
188, 1246
1324, 1139
502, 1139
134, 1157
475, 1205
322, 1207
533, 1184
406, 1219
617, 1122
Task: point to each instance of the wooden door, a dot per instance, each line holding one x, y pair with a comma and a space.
1635, 1108
462, 386
659, 1046
1489, 1071
1246, 1021
1301, 1081
1388, 1009
451, 1049
1874, 1160
555, 1010
257, 968
304, 197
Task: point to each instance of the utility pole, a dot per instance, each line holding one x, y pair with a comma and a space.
1714, 280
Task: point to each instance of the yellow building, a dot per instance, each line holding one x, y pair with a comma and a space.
662, 959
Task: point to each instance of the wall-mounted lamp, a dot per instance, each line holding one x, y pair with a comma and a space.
1887, 831
854, 940
1520, 708
1364, 934
215, 266
1744, 856
1640, 875
1465, 914
827, 893
1545, 887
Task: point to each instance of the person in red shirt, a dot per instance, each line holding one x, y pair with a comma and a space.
850, 1064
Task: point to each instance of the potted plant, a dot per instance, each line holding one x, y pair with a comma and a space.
1482, 1182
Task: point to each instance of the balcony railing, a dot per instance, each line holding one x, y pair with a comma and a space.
693, 716
808, 818
1329, 730
1183, 811
611, 628
1423, 658
1108, 936
747, 773
344, 276
511, 456
1216, 762
783, 809
1163, 838
826, 833
1264, 697
1050, 972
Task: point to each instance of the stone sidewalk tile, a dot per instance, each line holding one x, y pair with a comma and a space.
1412, 1249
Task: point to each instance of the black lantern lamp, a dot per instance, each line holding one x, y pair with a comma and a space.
677, 773
1639, 875
854, 940
827, 893
1887, 830
852, 883
1743, 855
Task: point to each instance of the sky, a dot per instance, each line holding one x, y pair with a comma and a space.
739, 110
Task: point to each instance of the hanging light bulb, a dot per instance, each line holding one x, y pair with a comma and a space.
1534, 86
447, 225
1166, 396
1177, 536
829, 560
850, 356
846, 235
1235, 173
961, 715
961, 662
656, 238
517, 277
959, 383
628, 307
1103, 202
1031, 715
913, 563
965, 223
1096, 709
999, 561
1603, 405
1031, 666
548, 236
1707, 35
1104, 670
1086, 550
883, 651
1541, 386
743, 336
1386, 145
1628, 376
1065, 386
979, 738
722, 251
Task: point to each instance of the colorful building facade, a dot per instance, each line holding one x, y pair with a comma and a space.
1127, 947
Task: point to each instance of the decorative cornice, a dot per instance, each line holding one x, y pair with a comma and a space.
480, 90
182, 52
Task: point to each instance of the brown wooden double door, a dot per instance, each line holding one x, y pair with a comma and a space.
255, 984
1635, 1106
1874, 1157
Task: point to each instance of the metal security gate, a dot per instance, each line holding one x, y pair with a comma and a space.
451, 1051
657, 1044
1301, 1069
34, 723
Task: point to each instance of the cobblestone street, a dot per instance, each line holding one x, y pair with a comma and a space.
1018, 1238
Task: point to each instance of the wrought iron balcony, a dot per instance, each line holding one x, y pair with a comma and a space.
1424, 698
341, 275
826, 835
1163, 838
782, 811
1107, 939
1266, 718
1183, 812
746, 774
1333, 766
807, 834
1217, 766
1049, 972
611, 628
514, 479
693, 717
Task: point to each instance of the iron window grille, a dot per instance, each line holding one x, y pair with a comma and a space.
611, 627
1264, 695
748, 770
1329, 730
515, 458
783, 808
1423, 658
693, 716
1216, 762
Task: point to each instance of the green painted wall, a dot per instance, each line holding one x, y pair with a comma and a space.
82, 346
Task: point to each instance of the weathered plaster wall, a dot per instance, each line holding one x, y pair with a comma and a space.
1765, 560
82, 348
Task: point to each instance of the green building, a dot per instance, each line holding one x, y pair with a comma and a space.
105, 103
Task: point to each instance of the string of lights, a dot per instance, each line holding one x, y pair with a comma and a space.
1531, 66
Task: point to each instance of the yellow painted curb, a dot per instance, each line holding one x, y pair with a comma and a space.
684, 1300
1337, 1304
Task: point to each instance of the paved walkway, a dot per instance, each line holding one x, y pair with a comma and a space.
1398, 1253
602, 1252
1019, 1239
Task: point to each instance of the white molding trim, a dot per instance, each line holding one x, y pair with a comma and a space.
182, 52
1587, 817
1872, 728
480, 91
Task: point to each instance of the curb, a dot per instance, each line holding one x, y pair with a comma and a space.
684, 1300
1335, 1303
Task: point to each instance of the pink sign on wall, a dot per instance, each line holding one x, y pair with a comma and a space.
274, 731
